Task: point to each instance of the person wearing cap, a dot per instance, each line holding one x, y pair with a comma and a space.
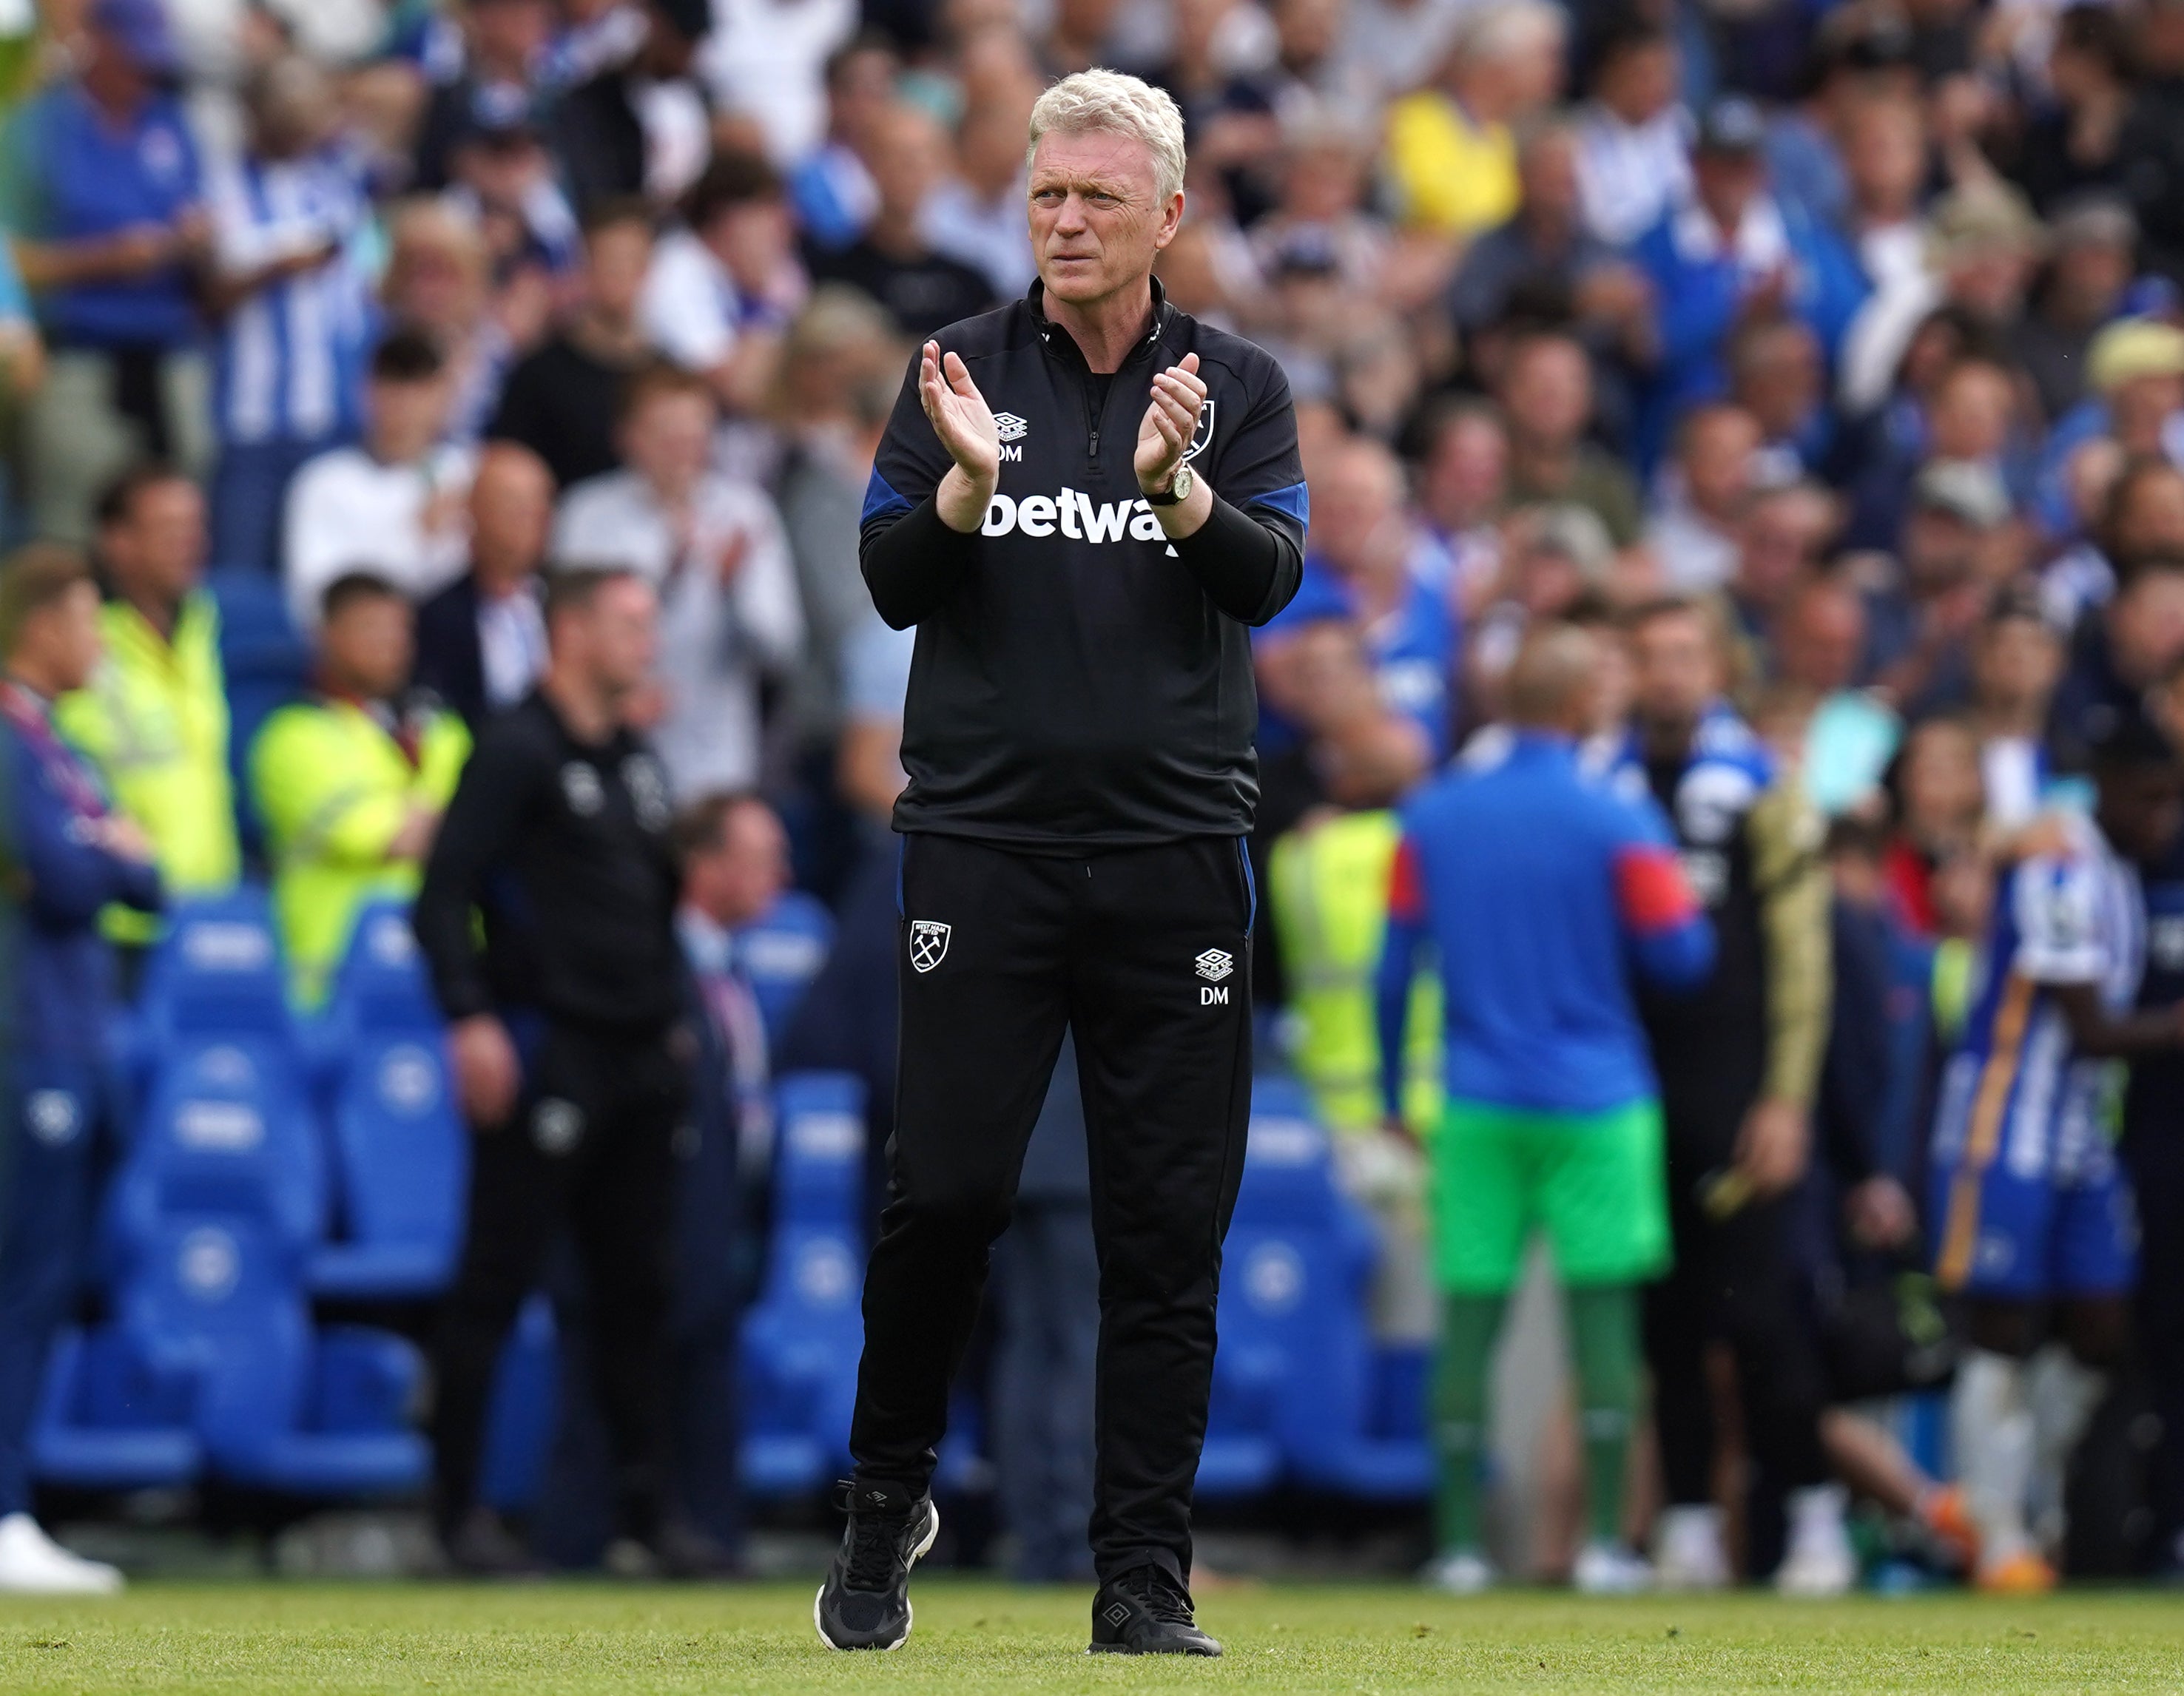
1728, 253
2089, 269
297, 313
1917, 645
103, 196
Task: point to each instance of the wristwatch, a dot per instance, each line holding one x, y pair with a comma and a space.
1178, 489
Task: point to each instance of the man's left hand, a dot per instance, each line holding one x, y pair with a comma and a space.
1170, 424
1771, 1146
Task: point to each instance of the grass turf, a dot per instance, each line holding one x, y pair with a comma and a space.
248, 1637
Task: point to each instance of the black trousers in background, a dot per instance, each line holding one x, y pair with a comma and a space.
1734, 1282
1145, 955
589, 1151
2153, 1154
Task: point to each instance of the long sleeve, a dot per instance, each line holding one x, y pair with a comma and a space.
1249, 563
490, 806
911, 561
1670, 939
1794, 895
70, 879
1391, 996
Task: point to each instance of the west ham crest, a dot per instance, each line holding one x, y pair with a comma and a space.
929, 944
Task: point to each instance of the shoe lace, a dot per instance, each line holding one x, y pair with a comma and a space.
875, 1546
1159, 1595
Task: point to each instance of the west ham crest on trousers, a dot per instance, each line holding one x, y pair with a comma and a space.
929, 944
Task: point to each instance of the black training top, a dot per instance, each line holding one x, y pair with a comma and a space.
1081, 682
561, 846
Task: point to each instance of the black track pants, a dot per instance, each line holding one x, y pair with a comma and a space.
1143, 953
588, 1151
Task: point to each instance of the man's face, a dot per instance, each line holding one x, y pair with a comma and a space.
2019, 661
1354, 502
512, 509
1677, 671
908, 162
753, 240
1822, 641
66, 632
621, 631
368, 646
1097, 217
158, 546
616, 260
1728, 183
1940, 549
407, 417
1717, 462
669, 439
743, 875
1642, 83
2141, 808
2146, 625
1549, 174
508, 35
1549, 394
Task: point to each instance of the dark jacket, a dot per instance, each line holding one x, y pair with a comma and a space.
450, 658
1081, 682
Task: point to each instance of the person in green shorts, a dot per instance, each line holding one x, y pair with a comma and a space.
1540, 894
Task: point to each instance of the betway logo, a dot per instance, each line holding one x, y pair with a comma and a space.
1076, 514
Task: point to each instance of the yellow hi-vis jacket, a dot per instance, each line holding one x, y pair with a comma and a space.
335, 787
153, 720
1328, 883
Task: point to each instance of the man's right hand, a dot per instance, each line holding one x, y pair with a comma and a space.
965, 424
487, 1074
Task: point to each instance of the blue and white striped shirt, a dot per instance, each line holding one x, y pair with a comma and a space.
293, 355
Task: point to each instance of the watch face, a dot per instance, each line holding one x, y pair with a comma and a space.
1179, 486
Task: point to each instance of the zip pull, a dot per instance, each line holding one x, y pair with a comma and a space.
1095, 443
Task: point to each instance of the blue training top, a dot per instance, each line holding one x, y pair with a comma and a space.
1540, 891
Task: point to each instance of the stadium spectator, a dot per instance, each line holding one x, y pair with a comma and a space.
2072, 148
439, 280
394, 503
1546, 395
2016, 662
75, 856
977, 215
2117, 658
1536, 887
1938, 804
893, 260
1919, 624
1634, 141
724, 288
104, 203
1730, 253
1451, 150
1739, 1061
2045, 1228
22, 370
497, 84
154, 719
351, 784
2081, 289
294, 299
712, 547
1360, 568
1696, 525
481, 640
562, 400
639, 126
1850, 736
564, 1052
831, 187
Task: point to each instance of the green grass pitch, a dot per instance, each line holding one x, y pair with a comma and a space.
971, 1636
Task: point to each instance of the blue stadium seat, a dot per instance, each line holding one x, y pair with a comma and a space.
780, 951
802, 1336
267, 665
277, 1405
217, 972
400, 1153
108, 1420
1300, 1390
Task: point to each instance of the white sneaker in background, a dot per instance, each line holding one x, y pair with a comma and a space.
1459, 1572
1688, 1550
1818, 1560
32, 1563
1608, 1569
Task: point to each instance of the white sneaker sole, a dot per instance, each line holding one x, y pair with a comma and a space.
909, 1613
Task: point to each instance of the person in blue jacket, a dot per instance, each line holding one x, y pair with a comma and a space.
69, 855
1734, 253
1543, 892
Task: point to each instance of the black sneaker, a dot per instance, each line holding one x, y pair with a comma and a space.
1146, 1612
865, 1602
480, 1545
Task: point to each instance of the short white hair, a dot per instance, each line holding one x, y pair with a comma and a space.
1094, 100
1504, 31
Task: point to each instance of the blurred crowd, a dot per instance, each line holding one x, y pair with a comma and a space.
1825, 360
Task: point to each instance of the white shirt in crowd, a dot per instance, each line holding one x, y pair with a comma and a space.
767, 59
689, 306
1629, 175
990, 235
346, 512
1696, 554
716, 643
511, 645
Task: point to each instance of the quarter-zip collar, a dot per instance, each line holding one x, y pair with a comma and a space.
1060, 345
